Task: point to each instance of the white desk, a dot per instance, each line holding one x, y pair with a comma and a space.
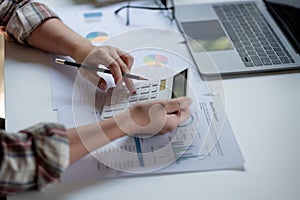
263, 111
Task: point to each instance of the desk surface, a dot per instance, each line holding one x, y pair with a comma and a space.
263, 111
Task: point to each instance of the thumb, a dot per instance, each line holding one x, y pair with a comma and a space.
177, 104
94, 78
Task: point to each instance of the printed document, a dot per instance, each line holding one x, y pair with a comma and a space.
205, 141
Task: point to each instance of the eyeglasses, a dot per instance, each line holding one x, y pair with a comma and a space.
167, 5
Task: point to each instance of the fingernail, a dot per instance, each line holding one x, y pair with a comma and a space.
102, 85
187, 101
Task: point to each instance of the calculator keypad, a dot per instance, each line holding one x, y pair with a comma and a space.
147, 91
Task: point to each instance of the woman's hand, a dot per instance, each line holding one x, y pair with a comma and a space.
154, 117
113, 58
148, 118
55, 37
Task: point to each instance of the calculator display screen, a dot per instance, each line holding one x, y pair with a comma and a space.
179, 84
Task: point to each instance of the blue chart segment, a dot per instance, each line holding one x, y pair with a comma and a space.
97, 37
183, 152
92, 16
139, 151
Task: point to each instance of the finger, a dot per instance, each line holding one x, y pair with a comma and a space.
127, 58
122, 65
125, 69
174, 120
130, 85
110, 61
89, 75
184, 114
94, 78
115, 70
117, 57
102, 84
125, 62
174, 105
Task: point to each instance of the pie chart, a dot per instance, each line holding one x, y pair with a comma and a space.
155, 60
97, 37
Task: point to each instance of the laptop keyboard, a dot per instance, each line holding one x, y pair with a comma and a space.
252, 36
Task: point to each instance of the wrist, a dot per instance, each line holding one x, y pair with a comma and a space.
111, 128
125, 124
81, 49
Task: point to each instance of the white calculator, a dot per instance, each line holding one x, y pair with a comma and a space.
118, 100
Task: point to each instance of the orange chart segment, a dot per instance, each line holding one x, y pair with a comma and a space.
97, 37
155, 59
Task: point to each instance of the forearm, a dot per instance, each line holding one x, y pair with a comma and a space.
32, 158
55, 37
36, 24
156, 117
86, 139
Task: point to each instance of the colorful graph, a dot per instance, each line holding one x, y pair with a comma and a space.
155, 60
92, 16
183, 152
97, 37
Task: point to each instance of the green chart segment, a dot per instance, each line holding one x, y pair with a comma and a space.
155, 60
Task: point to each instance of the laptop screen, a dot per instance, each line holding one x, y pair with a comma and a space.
293, 3
287, 14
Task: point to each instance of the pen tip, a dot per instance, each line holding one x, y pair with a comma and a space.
143, 79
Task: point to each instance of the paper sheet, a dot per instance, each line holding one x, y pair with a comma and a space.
204, 142
174, 152
98, 25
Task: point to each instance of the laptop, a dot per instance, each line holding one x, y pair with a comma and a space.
118, 100
242, 37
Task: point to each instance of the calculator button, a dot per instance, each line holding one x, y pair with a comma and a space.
144, 90
153, 95
153, 89
133, 98
107, 108
106, 115
144, 97
131, 103
146, 85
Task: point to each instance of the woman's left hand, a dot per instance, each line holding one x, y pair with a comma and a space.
116, 60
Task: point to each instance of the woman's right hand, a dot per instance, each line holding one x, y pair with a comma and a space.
147, 118
154, 117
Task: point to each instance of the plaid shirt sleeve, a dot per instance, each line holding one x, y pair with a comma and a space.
21, 17
32, 158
